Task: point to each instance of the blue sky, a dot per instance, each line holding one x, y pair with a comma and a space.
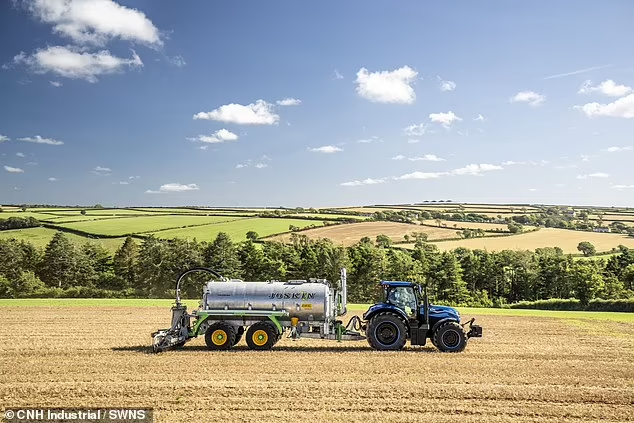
329, 103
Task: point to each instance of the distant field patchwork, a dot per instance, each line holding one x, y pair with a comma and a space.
123, 226
351, 233
40, 237
237, 229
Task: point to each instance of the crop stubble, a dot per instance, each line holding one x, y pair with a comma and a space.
524, 369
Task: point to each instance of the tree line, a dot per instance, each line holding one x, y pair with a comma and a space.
149, 268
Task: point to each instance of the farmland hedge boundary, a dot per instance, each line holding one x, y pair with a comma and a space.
572, 304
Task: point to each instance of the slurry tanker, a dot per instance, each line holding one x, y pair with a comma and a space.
262, 312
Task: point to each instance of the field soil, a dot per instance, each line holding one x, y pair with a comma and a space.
524, 369
351, 233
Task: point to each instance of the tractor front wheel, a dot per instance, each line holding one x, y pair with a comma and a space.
386, 331
450, 337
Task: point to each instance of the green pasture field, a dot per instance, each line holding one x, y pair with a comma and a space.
38, 216
97, 212
327, 216
64, 219
144, 224
465, 312
237, 229
40, 237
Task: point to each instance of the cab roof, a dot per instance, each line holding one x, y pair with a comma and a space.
396, 283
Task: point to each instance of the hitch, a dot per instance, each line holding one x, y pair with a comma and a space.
475, 331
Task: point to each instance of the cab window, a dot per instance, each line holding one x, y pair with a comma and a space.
402, 297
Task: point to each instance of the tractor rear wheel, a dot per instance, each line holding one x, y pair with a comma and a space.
450, 337
386, 331
220, 336
261, 336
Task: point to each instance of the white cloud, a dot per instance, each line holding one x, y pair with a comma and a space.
95, 21
447, 85
337, 75
258, 113
289, 102
387, 86
399, 157
421, 175
368, 181
56, 84
427, 157
511, 163
261, 165
326, 149
39, 140
102, 169
593, 175
532, 189
4, 138
178, 61
475, 169
617, 149
13, 169
219, 136
607, 87
124, 183
20, 154
370, 140
445, 119
623, 108
619, 186
416, 130
479, 118
412, 141
71, 62
174, 187
52, 179
530, 97
133, 177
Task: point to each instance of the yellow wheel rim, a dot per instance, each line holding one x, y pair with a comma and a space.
260, 337
219, 337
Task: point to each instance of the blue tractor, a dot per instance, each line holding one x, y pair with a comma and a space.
405, 312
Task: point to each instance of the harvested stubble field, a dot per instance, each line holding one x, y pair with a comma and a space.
351, 233
524, 369
565, 239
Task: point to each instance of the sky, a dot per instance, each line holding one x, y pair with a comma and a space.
316, 104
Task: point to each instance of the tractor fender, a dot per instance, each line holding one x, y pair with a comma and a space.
385, 308
441, 322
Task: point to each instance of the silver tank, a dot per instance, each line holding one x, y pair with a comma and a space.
308, 301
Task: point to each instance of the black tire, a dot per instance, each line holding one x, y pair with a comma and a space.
239, 334
261, 336
450, 337
220, 336
386, 332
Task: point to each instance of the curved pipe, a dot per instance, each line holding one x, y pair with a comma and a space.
193, 270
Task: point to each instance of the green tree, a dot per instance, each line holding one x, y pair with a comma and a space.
586, 248
124, 263
383, 241
585, 280
252, 236
59, 265
221, 255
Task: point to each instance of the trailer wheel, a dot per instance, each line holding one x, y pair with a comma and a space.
261, 336
239, 334
450, 337
220, 336
386, 331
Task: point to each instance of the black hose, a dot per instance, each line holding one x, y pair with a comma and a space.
355, 321
193, 270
